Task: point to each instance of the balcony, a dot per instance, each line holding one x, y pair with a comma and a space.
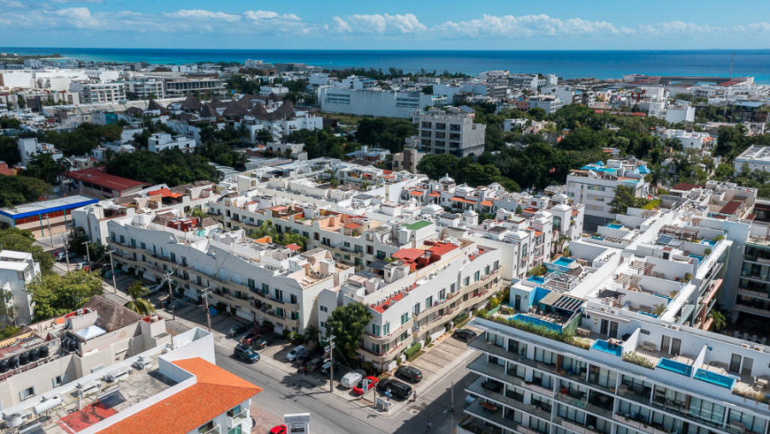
486, 388
214, 430
482, 367
576, 427
236, 419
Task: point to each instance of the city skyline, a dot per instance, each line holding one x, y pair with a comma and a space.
493, 25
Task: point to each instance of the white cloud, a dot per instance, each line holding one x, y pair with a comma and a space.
75, 1
379, 24
676, 28
79, 18
200, 14
526, 26
257, 16
762, 27
12, 4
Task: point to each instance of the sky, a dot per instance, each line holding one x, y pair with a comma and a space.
387, 24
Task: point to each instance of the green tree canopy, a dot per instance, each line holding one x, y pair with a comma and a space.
15, 190
55, 295
347, 325
139, 303
24, 241
172, 167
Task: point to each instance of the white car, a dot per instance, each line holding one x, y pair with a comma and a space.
352, 378
295, 352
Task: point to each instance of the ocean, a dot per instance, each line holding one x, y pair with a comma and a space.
567, 64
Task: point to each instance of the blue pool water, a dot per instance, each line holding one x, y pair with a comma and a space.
615, 226
536, 279
714, 378
535, 321
709, 242
607, 347
698, 257
674, 366
563, 261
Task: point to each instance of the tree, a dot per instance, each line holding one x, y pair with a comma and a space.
21, 189
624, 198
138, 303
347, 325
718, 320
23, 241
55, 295
43, 166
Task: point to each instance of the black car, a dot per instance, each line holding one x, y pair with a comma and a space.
246, 354
327, 365
464, 335
314, 364
398, 389
303, 358
410, 373
260, 343
237, 330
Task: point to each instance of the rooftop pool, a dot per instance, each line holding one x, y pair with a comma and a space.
674, 366
718, 379
607, 347
709, 242
535, 321
614, 226
536, 279
564, 262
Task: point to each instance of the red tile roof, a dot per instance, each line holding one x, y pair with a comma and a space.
99, 176
353, 225
408, 254
442, 248
463, 200
434, 194
486, 203
215, 392
730, 208
683, 186
165, 192
416, 193
293, 247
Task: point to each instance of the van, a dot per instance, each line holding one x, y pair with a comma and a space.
352, 378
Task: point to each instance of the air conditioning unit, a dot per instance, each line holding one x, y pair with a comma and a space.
745, 345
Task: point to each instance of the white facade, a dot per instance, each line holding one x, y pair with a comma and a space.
689, 139
160, 142
100, 93
374, 102
594, 185
17, 269
30, 147
756, 158
449, 133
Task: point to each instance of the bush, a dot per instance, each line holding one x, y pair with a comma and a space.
447, 327
296, 338
286, 334
460, 318
268, 325
368, 367
630, 356
428, 340
412, 350
652, 204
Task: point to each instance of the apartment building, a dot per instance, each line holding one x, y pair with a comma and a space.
550, 103
755, 158
753, 294
29, 148
142, 392
17, 270
179, 87
375, 102
449, 132
146, 87
109, 92
253, 279
160, 142
688, 139
594, 185
416, 295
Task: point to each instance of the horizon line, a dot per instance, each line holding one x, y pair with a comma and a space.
392, 49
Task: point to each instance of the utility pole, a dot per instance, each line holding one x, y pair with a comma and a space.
66, 253
170, 293
205, 294
331, 363
452, 410
88, 256
112, 266
50, 233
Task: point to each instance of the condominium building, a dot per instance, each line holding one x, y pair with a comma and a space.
755, 158
160, 142
753, 297
550, 103
177, 87
449, 132
17, 270
111, 92
252, 279
594, 185
146, 87
375, 102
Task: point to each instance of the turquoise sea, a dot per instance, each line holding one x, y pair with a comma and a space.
568, 64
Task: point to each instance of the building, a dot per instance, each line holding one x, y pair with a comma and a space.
179, 87
688, 139
129, 380
160, 142
375, 102
594, 185
550, 103
44, 218
755, 158
96, 181
17, 269
146, 88
408, 159
449, 132
674, 114
29, 147
112, 92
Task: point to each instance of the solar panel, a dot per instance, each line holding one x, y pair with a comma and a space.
665, 239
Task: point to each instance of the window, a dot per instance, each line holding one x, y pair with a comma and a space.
428, 302
144, 246
476, 276
386, 329
417, 308
403, 337
122, 239
375, 348
324, 308
27, 393
404, 318
294, 315
265, 288
293, 299
58, 380
112, 236
96, 368
467, 281
376, 329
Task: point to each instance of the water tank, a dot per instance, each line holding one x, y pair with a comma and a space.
47, 404
23, 359
13, 362
13, 420
34, 355
3, 365
43, 351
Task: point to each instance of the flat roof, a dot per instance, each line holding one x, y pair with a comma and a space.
47, 206
98, 176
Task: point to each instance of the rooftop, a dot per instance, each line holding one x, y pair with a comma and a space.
47, 206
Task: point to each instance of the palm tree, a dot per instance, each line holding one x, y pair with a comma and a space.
138, 304
718, 320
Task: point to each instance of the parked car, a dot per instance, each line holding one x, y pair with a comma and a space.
352, 378
409, 373
304, 358
398, 389
278, 429
295, 352
246, 354
62, 256
237, 330
327, 365
371, 381
260, 343
464, 335
314, 364
80, 266
250, 338
155, 288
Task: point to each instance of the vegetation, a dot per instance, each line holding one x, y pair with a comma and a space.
267, 229
55, 295
172, 167
241, 83
16, 190
347, 325
322, 143
718, 320
9, 149
138, 303
24, 241
385, 133
412, 350
218, 145
8, 331
82, 139
46, 168
624, 199
637, 359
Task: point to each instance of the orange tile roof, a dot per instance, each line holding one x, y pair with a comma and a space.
353, 225
463, 200
293, 247
264, 240
486, 203
408, 254
215, 392
416, 193
164, 192
434, 194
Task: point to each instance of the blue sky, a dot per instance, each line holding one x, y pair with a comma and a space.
386, 24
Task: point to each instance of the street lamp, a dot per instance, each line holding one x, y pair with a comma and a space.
88, 256
205, 293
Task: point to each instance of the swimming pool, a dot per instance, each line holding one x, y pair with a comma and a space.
714, 378
564, 262
709, 242
535, 321
607, 347
674, 366
614, 226
536, 279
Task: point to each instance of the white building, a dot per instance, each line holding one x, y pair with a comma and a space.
100, 92
17, 269
146, 87
674, 114
160, 142
688, 139
756, 158
550, 103
375, 102
30, 147
452, 132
